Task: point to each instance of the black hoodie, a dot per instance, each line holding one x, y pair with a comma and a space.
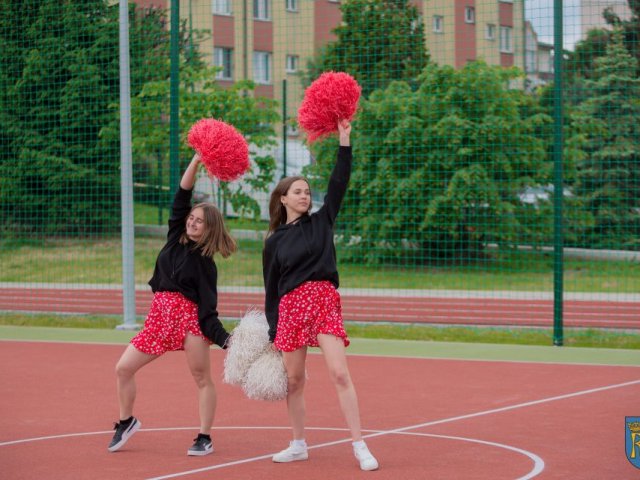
304, 250
182, 268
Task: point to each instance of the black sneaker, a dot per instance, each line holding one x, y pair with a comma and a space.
124, 430
202, 446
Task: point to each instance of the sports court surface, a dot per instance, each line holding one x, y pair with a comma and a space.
429, 410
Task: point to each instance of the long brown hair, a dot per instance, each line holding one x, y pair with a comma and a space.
277, 211
215, 237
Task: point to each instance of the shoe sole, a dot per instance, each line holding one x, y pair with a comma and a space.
126, 436
297, 458
369, 469
199, 453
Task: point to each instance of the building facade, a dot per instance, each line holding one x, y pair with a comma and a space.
538, 59
461, 31
270, 41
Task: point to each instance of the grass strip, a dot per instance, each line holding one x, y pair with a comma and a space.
574, 337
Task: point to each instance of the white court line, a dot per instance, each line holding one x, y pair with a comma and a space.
377, 432
538, 463
505, 409
402, 430
413, 427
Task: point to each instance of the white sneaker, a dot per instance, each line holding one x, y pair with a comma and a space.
292, 454
363, 455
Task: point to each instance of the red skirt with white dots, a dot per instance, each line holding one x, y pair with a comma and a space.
170, 318
309, 310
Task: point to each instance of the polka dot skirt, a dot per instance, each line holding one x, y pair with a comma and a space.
170, 318
307, 311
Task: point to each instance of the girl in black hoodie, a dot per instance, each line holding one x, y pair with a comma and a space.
302, 303
183, 314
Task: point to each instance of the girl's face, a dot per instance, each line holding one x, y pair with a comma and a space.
195, 224
297, 199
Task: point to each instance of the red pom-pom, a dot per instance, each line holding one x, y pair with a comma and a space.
223, 150
331, 97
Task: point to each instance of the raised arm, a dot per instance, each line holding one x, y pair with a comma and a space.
189, 176
182, 199
339, 179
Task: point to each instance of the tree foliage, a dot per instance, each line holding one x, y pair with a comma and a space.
377, 42
59, 65
59, 112
201, 96
580, 62
606, 129
438, 170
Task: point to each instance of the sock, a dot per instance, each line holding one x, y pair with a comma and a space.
299, 443
359, 444
204, 435
127, 421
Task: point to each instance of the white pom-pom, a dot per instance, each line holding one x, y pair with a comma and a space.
266, 378
250, 338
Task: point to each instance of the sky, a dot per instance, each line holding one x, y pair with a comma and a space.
540, 14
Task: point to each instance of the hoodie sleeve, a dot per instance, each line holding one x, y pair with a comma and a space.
338, 183
271, 297
179, 211
208, 320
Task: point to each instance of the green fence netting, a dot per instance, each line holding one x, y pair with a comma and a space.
497, 156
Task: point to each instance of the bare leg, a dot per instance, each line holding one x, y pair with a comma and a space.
336, 361
197, 351
130, 362
294, 363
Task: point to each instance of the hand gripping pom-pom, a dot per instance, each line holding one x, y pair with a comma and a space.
333, 96
223, 150
249, 340
266, 378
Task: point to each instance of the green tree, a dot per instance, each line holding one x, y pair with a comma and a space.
202, 97
438, 171
580, 62
630, 28
60, 73
606, 128
378, 41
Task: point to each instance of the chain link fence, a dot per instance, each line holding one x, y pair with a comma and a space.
496, 150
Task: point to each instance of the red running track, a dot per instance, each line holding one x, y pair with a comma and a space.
362, 308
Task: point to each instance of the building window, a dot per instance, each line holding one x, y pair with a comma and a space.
506, 42
223, 58
292, 5
469, 15
221, 7
292, 63
262, 68
530, 61
490, 32
262, 9
438, 23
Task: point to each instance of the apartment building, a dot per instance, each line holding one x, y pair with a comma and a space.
538, 59
461, 31
270, 41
